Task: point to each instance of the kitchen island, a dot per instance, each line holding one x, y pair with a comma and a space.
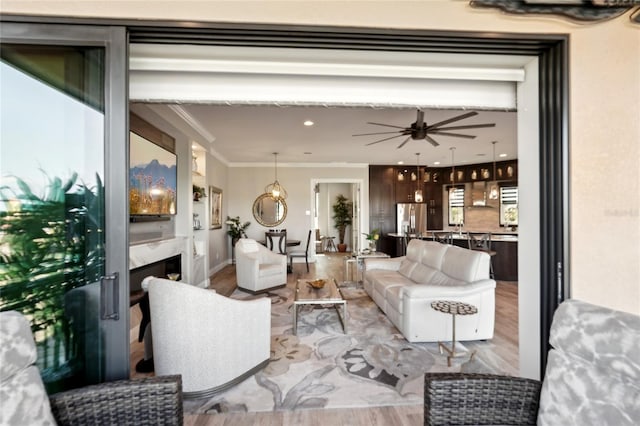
505, 262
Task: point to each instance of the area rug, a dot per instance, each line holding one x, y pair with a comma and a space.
322, 367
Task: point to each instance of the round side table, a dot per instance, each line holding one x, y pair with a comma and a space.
453, 308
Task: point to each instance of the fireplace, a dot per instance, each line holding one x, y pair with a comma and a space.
160, 269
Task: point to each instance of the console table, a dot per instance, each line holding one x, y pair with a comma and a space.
357, 259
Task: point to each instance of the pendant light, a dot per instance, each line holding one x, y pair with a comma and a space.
417, 197
493, 192
276, 190
453, 170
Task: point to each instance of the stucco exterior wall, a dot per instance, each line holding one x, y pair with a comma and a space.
604, 107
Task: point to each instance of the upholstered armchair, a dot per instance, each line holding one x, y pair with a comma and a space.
592, 378
259, 269
24, 401
212, 341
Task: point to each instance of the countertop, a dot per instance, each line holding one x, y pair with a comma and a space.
506, 236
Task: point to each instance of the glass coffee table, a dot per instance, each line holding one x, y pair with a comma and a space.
328, 296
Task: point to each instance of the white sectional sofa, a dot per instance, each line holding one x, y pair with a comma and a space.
404, 287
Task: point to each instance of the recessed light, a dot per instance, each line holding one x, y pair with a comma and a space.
307, 153
400, 162
502, 155
308, 123
436, 163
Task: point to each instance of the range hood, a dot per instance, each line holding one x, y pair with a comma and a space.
479, 196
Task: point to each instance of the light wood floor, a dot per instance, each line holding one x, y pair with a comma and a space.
332, 265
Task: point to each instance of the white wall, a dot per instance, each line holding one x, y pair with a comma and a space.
604, 102
217, 173
247, 183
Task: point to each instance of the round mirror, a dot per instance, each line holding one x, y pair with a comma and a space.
269, 212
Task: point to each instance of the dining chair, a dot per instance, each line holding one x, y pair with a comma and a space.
276, 241
300, 253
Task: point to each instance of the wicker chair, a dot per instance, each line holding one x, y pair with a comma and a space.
149, 401
479, 399
591, 378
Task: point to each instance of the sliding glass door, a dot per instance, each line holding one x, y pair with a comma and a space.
63, 216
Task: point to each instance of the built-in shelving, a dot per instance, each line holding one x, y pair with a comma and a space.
200, 217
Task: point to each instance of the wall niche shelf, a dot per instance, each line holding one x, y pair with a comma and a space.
200, 213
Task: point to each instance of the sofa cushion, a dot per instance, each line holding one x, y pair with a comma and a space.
422, 274
594, 367
406, 267
578, 393
269, 269
24, 399
440, 279
414, 250
465, 265
432, 254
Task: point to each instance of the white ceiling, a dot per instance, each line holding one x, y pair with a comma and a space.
243, 134
242, 103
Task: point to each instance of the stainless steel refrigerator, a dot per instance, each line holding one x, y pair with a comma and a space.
411, 218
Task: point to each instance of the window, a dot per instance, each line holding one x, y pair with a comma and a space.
509, 205
456, 206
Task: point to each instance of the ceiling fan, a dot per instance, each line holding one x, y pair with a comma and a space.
420, 130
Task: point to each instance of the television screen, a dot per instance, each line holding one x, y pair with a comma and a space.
152, 178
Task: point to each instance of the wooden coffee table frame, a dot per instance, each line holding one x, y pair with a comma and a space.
330, 294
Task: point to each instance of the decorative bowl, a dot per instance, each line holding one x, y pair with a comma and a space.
317, 284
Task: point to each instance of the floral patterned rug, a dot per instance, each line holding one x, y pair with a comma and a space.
321, 367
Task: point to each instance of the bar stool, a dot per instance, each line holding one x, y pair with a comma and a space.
330, 245
482, 242
443, 237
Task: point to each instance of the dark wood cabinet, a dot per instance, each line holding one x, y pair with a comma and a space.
433, 198
382, 213
386, 190
381, 191
406, 182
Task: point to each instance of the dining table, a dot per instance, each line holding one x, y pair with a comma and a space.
290, 243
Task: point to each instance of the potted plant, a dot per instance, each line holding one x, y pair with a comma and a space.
198, 192
373, 238
236, 230
342, 215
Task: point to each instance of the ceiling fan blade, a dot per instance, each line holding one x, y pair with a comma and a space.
431, 140
457, 135
403, 143
385, 139
469, 126
377, 133
451, 120
387, 125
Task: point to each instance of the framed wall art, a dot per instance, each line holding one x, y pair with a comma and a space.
215, 198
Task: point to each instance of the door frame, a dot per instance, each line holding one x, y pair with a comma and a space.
551, 50
116, 153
